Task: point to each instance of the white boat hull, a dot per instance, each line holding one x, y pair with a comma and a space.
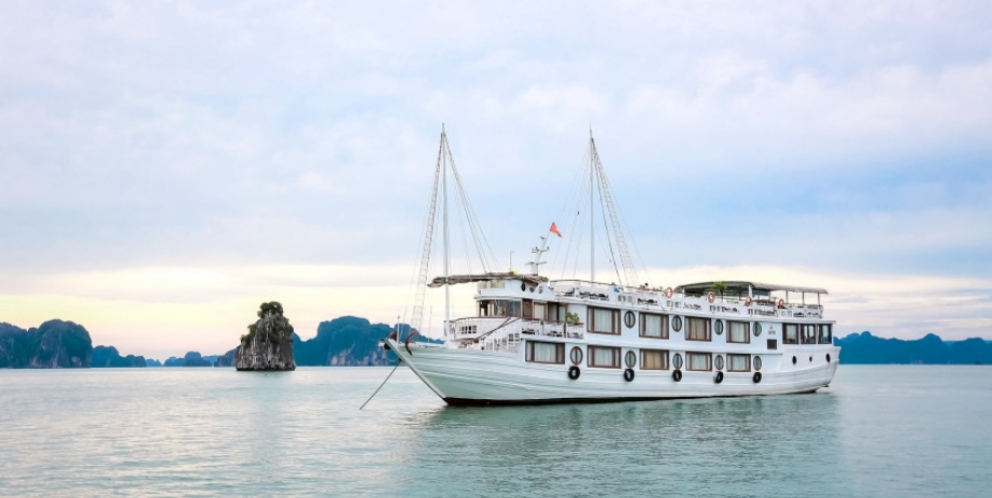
473, 377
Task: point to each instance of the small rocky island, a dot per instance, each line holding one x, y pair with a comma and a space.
268, 345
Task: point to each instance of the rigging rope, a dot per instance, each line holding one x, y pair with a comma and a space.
380, 385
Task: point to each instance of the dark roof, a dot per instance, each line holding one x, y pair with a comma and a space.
741, 287
486, 277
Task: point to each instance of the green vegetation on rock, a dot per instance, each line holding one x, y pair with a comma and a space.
268, 345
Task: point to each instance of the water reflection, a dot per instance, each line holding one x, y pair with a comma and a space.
711, 445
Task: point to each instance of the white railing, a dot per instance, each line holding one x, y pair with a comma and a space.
506, 333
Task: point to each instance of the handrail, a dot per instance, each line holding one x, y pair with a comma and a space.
505, 323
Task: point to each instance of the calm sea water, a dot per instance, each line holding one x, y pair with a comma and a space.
877, 431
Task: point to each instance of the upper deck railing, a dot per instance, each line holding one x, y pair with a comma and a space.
670, 301
502, 333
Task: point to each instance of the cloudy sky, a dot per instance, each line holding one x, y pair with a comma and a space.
167, 166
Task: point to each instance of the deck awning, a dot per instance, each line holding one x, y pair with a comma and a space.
741, 288
486, 277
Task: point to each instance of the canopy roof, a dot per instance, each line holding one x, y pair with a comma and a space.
485, 277
738, 287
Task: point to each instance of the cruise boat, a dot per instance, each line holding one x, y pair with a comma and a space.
535, 340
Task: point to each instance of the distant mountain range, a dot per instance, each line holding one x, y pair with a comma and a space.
865, 348
54, 344
353, 341
108, 357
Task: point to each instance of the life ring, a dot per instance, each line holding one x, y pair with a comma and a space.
781, 304
719, 377
669, 292
711, 296
748, 301
677, 375
757, 377
628, 375
574, 372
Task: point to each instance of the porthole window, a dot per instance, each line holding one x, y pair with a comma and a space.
757, 329
718, 327
523, 287
811, 359
793, 360
630, 359
718, 362
828, 357
576, 355
677, 361
757, 363
676, 323
629, 320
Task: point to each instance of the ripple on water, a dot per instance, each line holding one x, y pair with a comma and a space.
883, 430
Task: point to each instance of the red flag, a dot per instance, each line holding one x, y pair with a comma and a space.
554, 229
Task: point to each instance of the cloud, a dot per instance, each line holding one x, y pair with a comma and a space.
840, 137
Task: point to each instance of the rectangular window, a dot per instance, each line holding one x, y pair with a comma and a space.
514, 308
790, 333
552, 314
700, 362
697, 329
499, 308
653, 359
655, 326
772, 344
739, 362
739, 332
604, 357
539, 311
604, 321
545, 352
826, 334
809, 334
528, 308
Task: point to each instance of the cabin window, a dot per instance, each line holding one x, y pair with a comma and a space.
699, 362
576, 355
826, 334
739, 332
698, 329
555, 312
496, 308
528, 307
604, 321
545, 352
604, 357
653, 359
739, 362
629, 319
809, 333
539, 311
790, 333
655, 326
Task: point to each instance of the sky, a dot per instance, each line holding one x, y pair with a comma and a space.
165, 167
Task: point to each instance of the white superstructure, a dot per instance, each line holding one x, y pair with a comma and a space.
533, 340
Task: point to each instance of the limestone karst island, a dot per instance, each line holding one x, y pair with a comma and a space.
268, 345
